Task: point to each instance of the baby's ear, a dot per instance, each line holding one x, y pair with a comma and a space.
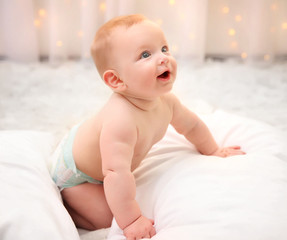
112, 79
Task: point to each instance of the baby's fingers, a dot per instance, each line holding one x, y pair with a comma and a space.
229, 151
234, 150
235, 147
152, 232
149, 235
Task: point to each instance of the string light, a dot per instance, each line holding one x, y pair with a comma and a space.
171, 2
103, 6
231, 32
266, 57
238, 18
284, 26
244, 55
59, 43
225, 10
274, 7
42, 12
37, 23
80, 34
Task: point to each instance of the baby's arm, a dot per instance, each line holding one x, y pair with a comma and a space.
190, 125
117, 144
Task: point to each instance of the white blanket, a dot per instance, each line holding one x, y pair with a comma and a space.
189, 196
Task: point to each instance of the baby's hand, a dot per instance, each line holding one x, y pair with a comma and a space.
228, 151
141, 228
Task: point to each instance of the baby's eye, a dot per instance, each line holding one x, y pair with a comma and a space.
164, 49
145, 54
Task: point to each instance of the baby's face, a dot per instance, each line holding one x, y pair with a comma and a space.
143, 61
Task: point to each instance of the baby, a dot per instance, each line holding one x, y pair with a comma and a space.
95, 161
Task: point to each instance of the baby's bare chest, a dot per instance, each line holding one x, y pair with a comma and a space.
151, 129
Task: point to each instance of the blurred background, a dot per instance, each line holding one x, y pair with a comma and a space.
231, 54
60, 30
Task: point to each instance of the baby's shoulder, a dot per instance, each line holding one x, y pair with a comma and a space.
170, 99
117, 110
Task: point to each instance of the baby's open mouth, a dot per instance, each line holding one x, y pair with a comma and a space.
164, 75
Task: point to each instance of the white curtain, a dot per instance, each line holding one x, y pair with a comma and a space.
57, 30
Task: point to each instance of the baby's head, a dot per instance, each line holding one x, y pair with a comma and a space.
102, 45
132, 56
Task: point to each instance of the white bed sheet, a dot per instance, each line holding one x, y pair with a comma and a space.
191, 196
188, 195
30, 203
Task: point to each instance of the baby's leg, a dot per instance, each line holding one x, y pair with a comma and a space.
87, 205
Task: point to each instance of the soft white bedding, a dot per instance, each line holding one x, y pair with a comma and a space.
30, 203
190, 196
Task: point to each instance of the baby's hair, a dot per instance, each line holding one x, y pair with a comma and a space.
102, 41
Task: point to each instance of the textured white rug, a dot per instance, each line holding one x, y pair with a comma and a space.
41, 97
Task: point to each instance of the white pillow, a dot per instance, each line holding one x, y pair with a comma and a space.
30, 204
191, 196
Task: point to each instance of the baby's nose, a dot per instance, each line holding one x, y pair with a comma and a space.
163, 59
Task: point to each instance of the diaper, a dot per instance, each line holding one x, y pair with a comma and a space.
63, 168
